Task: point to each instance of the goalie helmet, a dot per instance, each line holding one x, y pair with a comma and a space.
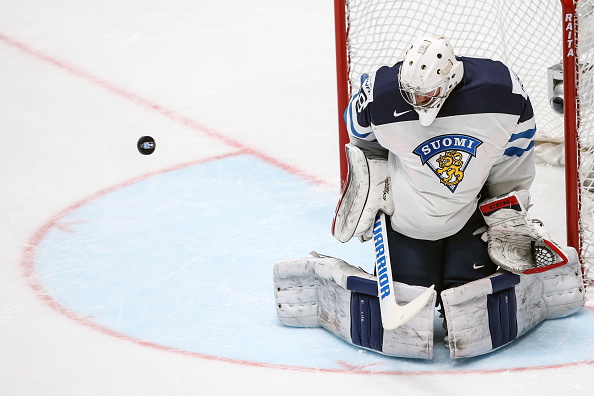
429, 72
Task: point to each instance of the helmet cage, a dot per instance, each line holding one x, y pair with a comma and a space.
426, 97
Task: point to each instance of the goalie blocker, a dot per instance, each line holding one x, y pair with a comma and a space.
367, 192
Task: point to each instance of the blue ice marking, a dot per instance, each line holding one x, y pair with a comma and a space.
184, 259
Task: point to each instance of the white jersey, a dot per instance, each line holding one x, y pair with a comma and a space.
482, 137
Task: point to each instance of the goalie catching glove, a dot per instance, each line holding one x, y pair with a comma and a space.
517, 243
367, 192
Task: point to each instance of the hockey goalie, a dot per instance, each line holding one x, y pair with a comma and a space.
440, 168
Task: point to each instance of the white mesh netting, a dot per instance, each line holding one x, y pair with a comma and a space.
585, 131
499, 29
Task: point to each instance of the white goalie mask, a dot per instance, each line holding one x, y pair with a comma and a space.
429, 72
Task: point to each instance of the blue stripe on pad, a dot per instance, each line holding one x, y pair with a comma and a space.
366, 324
502, 308
504, 281
366, 319
362, 285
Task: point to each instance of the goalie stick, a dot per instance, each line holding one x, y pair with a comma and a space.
393, 315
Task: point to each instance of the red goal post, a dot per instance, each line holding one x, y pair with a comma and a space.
540, 40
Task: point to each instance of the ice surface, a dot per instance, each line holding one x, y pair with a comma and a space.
151, 275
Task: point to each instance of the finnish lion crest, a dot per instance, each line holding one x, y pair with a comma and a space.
450, 164
448, 156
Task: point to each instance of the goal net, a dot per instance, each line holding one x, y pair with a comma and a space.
530, 36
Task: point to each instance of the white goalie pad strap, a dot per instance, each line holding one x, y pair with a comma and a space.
327, 292
515, 242
489, 313
366, 192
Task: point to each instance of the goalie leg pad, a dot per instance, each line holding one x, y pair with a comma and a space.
563, 288
489, 313
327, 292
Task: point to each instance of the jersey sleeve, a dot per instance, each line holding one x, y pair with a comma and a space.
516, 170
357, 117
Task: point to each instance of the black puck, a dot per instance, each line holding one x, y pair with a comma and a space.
146, 145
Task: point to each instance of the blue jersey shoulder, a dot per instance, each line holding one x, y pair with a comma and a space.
487, 87
387, 100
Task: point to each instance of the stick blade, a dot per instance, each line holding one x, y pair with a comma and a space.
401, 314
